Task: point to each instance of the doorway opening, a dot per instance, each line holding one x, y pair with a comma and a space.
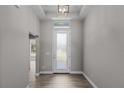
61, 51
33, 49
32, 58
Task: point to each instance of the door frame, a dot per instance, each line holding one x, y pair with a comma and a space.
36, 38
68, 50
32, 75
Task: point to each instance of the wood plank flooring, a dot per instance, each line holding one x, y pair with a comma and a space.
60, 81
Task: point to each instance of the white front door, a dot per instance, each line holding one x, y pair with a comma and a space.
61, 53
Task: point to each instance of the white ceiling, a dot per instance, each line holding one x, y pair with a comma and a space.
54, 8
50, 12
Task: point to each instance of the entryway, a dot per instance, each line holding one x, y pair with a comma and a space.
61, 51
33, 48
32, 58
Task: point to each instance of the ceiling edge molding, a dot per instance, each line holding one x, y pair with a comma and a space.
38, 11
42, 11
84, 11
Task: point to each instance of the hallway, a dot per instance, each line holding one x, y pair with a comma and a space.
60, 81
71, 39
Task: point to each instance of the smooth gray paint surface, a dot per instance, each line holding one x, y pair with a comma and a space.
46, 45
76, 45
46, 32
0, 61
38, 54
15, 25
103, 42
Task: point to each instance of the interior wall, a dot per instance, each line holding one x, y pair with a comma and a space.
46, 45
15, 25
103, 42
76, 46
38, 54
0, 63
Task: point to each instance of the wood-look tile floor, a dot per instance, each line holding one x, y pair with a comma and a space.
60, 81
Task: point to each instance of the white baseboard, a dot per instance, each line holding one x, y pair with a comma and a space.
76, 72
46, 72
90, 81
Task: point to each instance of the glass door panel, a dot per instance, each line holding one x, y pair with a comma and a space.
61, 51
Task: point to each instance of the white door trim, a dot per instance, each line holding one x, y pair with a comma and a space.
53, 50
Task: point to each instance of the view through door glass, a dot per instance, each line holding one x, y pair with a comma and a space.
61, 51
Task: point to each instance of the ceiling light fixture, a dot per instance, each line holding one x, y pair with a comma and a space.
63, 9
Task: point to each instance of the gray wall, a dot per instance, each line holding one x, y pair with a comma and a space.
76, 45
15, 24
103, 42
46, 45
0, 61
